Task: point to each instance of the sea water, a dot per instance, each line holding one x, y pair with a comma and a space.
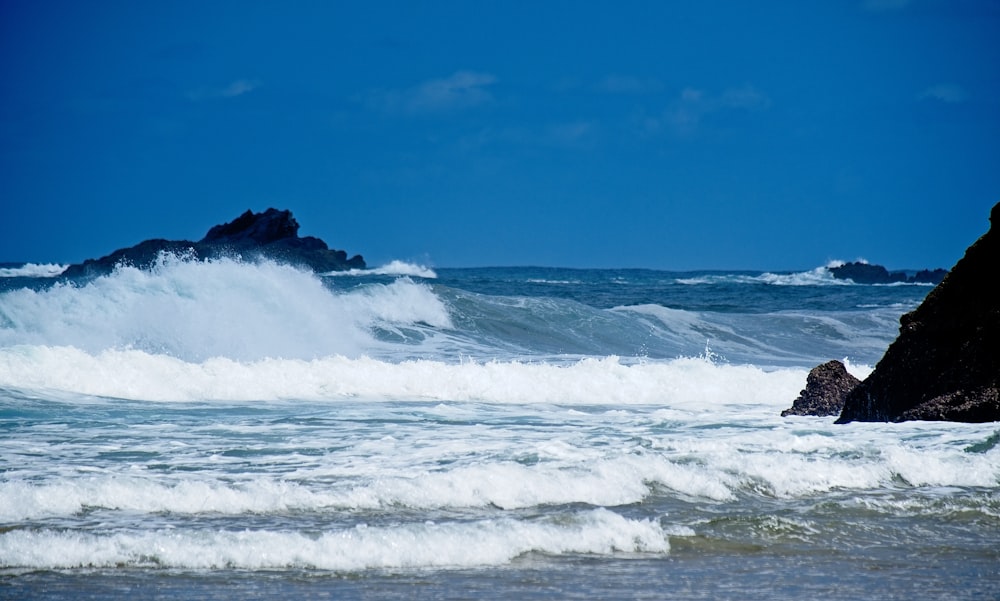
235, 429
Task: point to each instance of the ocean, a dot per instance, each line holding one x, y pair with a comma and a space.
231, 429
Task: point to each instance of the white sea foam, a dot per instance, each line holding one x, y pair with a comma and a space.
832, 263
414, 545
508, 485
395, 267
195, 310
820, 276
553, 282
134, 374
33, 270
712, 457
858, 370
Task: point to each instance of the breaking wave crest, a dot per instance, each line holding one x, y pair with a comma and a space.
414, 545
194, 310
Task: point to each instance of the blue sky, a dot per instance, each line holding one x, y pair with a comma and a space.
666, 134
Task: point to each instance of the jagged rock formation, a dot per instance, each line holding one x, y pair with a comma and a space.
272, 234
945, 363
928, 276
867, 273
827, 386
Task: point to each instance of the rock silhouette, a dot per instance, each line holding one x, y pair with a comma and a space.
945, 363
272, 234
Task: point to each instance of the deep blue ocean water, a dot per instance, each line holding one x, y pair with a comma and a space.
249, 430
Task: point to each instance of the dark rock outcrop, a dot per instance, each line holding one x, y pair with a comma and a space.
272, 234
928, 276
255, 228
945, 363
867, 273
827, 386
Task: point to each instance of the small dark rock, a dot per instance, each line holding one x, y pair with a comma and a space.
827, 386
866, 273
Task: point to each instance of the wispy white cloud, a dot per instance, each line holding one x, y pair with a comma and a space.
232, 90
692, 105
460, 90
945, 92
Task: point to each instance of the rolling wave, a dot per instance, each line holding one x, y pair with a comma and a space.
194, 310
32, 270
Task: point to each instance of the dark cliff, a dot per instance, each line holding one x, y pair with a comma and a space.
945, 363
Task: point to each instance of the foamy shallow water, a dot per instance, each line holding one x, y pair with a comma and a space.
348, 486
432, 438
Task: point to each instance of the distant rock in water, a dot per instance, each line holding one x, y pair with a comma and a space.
927, 276
272, 234
866, 273
827, 386
945, 363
